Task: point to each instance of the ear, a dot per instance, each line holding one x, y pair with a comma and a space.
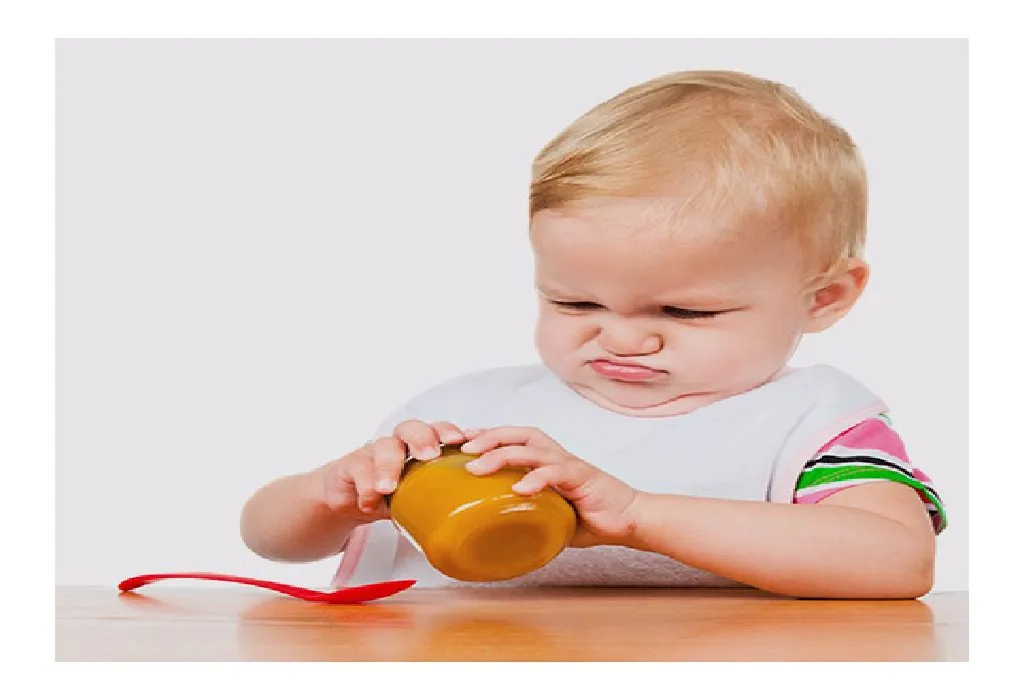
833, 298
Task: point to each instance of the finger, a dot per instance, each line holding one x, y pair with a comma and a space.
510, 435
423, 442
339, 489
388, 461
562, 477
449, 433
366, 496
511, 456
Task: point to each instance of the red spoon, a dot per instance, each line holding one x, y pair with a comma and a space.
354, 594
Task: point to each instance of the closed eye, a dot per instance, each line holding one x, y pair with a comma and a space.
676, 312
577, 305
673, 311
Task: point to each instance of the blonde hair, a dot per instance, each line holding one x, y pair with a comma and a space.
721, 142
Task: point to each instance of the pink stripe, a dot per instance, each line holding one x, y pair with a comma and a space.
353, 551
809, 499
872, 434
922, 477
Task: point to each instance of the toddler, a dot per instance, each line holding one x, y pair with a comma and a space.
686, 234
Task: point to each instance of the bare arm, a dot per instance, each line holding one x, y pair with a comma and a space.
874, 540
289, 520
868, 541
309, 516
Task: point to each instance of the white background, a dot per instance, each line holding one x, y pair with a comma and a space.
264, 246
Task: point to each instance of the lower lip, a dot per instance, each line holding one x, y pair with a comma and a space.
626, 373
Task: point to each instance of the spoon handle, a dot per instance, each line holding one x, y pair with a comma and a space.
355, 594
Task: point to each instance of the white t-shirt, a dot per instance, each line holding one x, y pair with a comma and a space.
751, 446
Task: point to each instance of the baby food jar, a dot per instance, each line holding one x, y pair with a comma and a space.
476, 528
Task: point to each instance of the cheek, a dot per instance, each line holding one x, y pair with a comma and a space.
768, 340
557, 333
783, 329
740, 348
706, 350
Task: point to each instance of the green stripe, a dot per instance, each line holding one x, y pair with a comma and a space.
821, 474
869, 471
825, 474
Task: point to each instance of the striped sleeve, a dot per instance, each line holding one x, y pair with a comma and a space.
870, 451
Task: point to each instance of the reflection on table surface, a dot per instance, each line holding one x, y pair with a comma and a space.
507, 625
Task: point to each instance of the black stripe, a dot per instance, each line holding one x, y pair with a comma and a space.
858, 459
854, 461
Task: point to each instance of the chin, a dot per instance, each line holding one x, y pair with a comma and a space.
639, 400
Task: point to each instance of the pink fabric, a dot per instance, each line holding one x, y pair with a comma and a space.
353, 551
872, 434
818, 496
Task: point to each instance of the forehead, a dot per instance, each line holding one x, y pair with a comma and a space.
644, 247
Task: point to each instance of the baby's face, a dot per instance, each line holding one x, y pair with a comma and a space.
650, 318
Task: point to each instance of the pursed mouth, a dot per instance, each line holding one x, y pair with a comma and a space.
625, 365
619, 372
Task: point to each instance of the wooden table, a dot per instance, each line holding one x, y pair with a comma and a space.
233, 623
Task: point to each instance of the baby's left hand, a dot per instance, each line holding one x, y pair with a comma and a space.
602, 501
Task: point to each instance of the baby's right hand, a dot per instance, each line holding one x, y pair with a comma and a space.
356, 483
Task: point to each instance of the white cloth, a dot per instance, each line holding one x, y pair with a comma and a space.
751, 446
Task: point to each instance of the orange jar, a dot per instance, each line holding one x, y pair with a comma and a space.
476, 528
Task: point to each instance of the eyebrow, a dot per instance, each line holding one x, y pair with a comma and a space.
552, 291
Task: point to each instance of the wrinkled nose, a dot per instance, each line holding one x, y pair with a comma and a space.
624, 339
